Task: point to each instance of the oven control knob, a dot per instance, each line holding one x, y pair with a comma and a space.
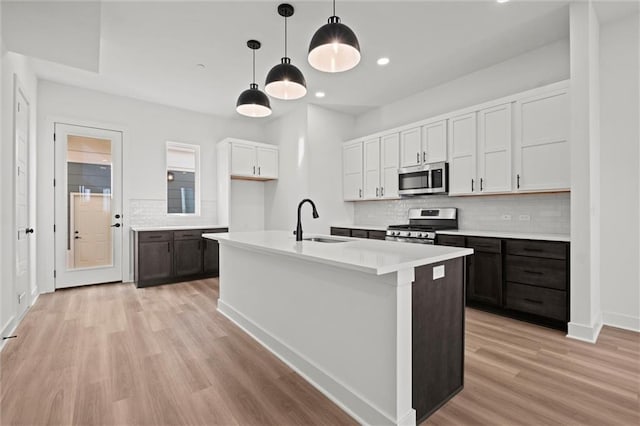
420, 235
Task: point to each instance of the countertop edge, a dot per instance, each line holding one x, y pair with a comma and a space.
174, 228
508, 235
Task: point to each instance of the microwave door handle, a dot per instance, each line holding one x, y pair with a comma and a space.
428, 176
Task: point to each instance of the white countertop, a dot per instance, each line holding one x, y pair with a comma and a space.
367, 227
175, 227
371, 256
507, 234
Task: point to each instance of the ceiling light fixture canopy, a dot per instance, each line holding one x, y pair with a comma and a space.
285, 81
334, 47
253, 102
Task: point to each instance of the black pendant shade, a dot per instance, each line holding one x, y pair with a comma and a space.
253, 102
285, 81
334, 47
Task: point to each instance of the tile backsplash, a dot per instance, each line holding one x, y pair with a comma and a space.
530, 213
145, 212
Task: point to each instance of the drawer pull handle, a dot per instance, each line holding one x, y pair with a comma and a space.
155, 236
537, 302
533, 272
533, 250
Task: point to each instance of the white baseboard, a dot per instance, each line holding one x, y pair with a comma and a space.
356, 406
586, 333
626, 322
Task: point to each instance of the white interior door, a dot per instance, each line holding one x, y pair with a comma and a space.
22, 256
88, 210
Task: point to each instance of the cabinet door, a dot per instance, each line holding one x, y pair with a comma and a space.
188, 257
410, 147
155, 260
494, 149
210, 256
243, 159
371, 168
390, 147
434, 142
542, 142
485, 278
462, 151
352, 171
267, 160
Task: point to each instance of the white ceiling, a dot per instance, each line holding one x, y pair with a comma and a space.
149, 50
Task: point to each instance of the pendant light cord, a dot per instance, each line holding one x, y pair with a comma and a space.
334, 7
285, 36
254, 66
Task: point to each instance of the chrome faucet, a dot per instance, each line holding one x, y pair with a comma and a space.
298, 230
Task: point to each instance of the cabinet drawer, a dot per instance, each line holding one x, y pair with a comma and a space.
536, 300
155, 236
551, 273
489, 245
359, 233
377, 235
215, 230
450, 240
191, 234
547, 249
343, 232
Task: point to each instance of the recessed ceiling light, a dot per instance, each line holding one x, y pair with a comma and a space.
383, 61
502, 1
320, 94
201, 66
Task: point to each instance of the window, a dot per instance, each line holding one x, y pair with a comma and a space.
183, 180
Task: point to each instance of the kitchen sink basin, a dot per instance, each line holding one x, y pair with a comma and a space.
324, 240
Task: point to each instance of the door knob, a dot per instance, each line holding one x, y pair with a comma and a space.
76, 237
117, 216
29, 231
116, 225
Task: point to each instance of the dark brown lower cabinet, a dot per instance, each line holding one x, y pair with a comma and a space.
163, 257
437, 336
372, 234
484, 276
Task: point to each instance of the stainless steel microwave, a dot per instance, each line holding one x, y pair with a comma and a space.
425, 179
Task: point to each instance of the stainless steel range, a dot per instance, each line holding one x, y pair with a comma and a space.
423, 224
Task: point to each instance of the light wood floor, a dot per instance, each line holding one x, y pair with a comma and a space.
114, 354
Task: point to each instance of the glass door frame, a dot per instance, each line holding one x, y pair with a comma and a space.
65, 277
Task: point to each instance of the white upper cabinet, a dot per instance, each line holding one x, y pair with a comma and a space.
267, 162
494, 149
352, 167
462, 149
252, 160
434, 142
542, 151
372, 168
390, 162
410, 147
423, 145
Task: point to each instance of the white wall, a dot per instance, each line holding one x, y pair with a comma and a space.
14, 66
146, 128
310, 140
246, 205
620, 176
536, 68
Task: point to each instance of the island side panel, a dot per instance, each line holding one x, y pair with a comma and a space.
337, 327
438, 336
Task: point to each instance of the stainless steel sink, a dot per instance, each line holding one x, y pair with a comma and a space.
324, 240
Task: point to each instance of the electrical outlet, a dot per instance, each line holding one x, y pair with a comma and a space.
524, 217
505, 217
438, 272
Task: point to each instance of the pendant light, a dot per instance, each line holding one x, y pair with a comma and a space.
253, 102
334, 47
285, 81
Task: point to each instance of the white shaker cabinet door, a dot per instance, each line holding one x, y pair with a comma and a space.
243, 159
542, 142
267, 162
494, 149
434, 142
390, 147
371, 168
410, 147
352, 171
462, 151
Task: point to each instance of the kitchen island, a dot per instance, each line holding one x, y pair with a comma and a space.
377, 326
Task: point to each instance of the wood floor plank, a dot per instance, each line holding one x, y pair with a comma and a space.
117, 355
